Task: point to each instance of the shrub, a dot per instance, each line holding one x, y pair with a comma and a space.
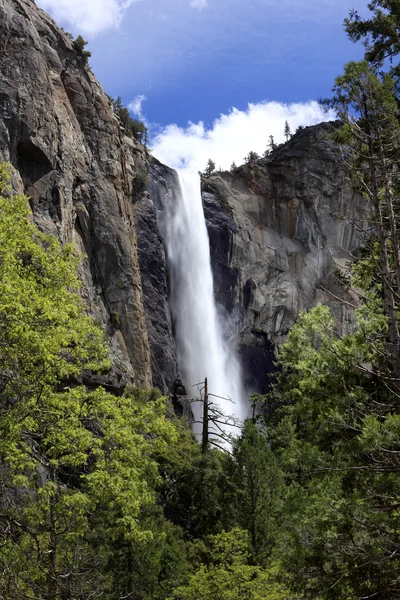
80, 44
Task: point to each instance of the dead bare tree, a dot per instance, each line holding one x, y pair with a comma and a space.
214, 422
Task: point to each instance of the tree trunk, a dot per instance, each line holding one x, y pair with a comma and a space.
204, 444
393, 345
52, 554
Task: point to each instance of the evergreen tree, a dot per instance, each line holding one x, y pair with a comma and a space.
251, 157
258, 488
336, 437
287, 132
271, 144
133, 127
80, 45
233, 167
209, 170
367, 105
380, 32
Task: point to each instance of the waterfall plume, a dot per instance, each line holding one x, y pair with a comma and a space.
202, 349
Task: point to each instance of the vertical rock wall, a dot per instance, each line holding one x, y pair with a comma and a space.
279, 227
72, 159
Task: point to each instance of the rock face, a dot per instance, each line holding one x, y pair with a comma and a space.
278, 227
73, 160
150, 224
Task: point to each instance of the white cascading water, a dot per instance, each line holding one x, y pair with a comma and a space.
202, 349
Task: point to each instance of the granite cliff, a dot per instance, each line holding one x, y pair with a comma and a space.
71, 157
277, 227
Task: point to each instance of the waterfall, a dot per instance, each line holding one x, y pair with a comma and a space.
201, 347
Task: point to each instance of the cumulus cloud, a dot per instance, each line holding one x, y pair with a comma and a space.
199, 4
234, 135
90, 16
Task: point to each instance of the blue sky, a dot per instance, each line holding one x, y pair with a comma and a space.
195, 60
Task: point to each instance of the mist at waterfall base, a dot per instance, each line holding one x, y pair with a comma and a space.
201, 347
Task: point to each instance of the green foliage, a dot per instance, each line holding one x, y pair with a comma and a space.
258, 486
133, 128
77, 467
287, 132
221, 571
199, 495
209, 170
366, 103
67, 34
271, 144
335, 436
251, 157
139, 184
80, 45
380, 31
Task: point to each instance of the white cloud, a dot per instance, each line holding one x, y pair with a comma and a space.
89, 16
135, 106
232, 136
199, 4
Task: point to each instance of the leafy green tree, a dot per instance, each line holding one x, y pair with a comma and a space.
133, 127
221, 571
336, 436
66, 453
233, 167
199, 495
366, 103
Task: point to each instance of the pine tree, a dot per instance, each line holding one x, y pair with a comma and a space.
251, 157
222, 569
380, 32
209, 170
287, 132
259, 489
366, 102
80, 45
271, 144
